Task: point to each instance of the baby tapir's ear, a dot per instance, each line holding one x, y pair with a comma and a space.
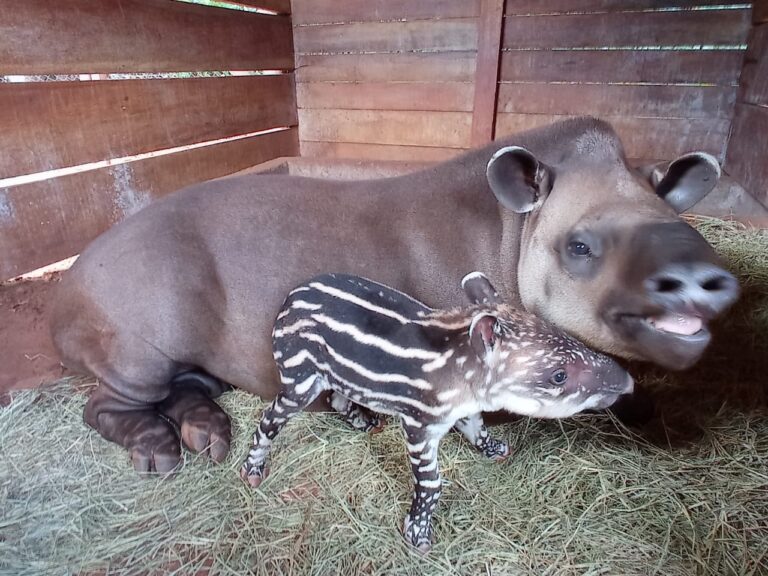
484, 335
479, 289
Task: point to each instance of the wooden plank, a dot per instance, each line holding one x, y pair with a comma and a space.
754, 74
59, 124
487, 78
618, 100
87, 36
642, 137
446, 96
279, 6
404, 67
409, 128
524, 7
760, 11
651, 66
437, 35
47, 221
334, 11
711, 27
747, 160
376, 151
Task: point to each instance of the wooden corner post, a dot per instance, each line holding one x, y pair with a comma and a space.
490, 25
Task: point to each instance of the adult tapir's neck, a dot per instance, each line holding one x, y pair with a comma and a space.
484, 236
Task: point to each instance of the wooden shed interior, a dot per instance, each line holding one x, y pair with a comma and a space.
108, 105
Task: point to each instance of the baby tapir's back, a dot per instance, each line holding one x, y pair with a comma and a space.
361, 334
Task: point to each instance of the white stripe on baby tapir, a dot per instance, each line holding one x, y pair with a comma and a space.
304, 387
362, 370
293, 328
358, 301
438, 362
303, 305
305, 355
375, 341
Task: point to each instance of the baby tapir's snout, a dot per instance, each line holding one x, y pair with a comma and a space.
604, 381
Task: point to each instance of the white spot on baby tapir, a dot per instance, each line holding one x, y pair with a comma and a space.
446, 395
522, 359
460, 361
504, 354
469, 374
128, 199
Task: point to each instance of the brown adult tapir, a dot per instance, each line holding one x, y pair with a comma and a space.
554, 216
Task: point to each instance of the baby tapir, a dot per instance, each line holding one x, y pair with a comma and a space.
379, 350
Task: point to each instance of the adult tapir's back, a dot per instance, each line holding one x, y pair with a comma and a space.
194, 280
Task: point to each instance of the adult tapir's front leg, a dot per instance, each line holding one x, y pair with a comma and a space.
422, 451
475, 431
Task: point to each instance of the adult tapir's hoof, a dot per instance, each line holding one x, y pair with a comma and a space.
206, 429
155, 448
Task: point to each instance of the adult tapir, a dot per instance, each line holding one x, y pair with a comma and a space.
554, 215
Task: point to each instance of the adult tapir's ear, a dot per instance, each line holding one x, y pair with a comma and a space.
484, 334
518, 179
479, 289
685, 181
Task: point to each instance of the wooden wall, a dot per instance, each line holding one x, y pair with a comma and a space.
385, 79
747, 157
408, 80
52, 125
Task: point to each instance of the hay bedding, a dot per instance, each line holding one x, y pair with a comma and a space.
688, 494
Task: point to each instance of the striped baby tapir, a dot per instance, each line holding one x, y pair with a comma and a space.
380, 351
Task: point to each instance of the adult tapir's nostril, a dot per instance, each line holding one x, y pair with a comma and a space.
704, 286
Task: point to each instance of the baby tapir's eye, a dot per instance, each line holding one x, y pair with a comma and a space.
558, 377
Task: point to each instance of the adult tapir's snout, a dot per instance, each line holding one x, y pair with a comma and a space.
674, 285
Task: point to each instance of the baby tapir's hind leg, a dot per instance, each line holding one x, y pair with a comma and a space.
422, 451
475, 431
292, 399
204, 426
359, 417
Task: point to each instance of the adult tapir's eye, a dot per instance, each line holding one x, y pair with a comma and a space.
558, 377
579, 249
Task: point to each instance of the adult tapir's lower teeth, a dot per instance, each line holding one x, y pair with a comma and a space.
676, 323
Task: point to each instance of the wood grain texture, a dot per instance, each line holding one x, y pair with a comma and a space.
330, 11
442, 129
92, 36
51, 220
618, 100
754, 74
445, 96
458, 34
522, 7
487, 77
719, 67
59, 124
642, 137
747, 158
404, 67
760, 11
714, 27
376, 151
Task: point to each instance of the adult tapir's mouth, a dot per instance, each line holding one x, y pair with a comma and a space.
679, 323
673, 339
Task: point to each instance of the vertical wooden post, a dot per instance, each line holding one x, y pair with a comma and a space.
490, 25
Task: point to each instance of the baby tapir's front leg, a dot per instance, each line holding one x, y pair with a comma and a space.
422, 451
357, 416
475, 431
294, 396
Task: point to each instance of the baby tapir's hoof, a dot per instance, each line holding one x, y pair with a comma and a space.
253, 475
418, 534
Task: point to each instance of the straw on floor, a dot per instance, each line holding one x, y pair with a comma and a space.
685, 494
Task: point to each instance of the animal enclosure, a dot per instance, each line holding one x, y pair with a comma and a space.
109, 105
102, 101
